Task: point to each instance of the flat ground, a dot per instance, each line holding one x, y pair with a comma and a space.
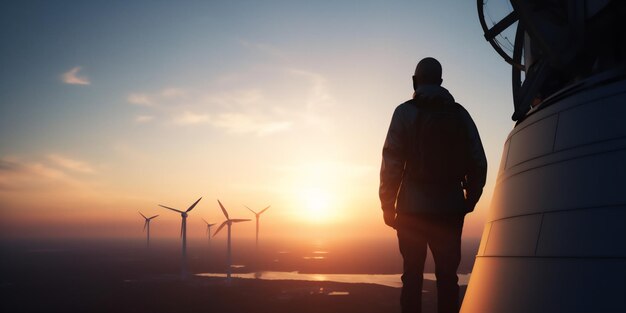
124, 278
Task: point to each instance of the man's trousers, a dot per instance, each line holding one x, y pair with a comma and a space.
442, 234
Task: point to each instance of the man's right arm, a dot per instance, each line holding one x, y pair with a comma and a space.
392, 167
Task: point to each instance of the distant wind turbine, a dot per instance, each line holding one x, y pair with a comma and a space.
146, 225
183, 234
257, 215
228, 222
208, 229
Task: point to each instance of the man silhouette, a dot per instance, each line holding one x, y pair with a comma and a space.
432, 174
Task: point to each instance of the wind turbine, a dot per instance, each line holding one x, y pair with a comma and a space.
183, 234
257, 215
228, 222
208, 229
146, 225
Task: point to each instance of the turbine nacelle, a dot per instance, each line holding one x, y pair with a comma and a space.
228, 220
208, 227
260, 212
182, 213
147, 220
230, 223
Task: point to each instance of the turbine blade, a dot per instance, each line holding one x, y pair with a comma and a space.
264, 209
223, 209
145, 224
220, 228
142, 215
193, 205
205, 221
182, 225
153, 217
211, 225
179, 211
250, 210
237, 220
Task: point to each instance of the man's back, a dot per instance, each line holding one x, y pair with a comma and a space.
403, 175
432, 174
441, 146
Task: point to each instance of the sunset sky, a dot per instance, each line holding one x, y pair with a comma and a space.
108, 108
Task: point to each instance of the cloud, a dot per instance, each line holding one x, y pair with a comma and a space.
190, 118
139, 99
340, 169
8, 165
244, 123
173, 92
16, 174
264, 48
235, 99
39, 182
70, 164
286, 98
71, 77
159, 97
318, 94
130, 151
143, 118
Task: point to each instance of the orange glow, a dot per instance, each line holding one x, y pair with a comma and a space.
317, 205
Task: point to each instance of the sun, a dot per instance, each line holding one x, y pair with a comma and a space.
317, 205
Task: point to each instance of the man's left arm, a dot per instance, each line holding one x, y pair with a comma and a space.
477, 171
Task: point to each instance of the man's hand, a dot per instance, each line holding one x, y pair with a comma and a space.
471, 198
390, 218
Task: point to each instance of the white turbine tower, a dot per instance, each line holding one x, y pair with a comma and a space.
228, 222
146, 225
208, 229
183, 234
257, 215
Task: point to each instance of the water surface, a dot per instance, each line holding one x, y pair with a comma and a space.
391, 280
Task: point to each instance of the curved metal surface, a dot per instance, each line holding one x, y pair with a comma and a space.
555, 240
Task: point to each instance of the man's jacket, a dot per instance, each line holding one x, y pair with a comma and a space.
400, 187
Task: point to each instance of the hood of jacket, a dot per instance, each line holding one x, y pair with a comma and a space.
432, 94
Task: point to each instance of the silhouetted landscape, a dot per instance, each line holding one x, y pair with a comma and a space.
125, 276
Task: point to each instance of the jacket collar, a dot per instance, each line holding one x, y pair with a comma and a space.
433, 93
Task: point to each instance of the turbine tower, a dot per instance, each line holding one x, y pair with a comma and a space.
146, 225
257, 215
228, 222
208, 229
183, 234
554, 240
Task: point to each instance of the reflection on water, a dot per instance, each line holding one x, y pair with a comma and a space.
339, 293
391, 280
316, 255
313, 257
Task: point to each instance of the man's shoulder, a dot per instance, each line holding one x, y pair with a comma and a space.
462, 108
464, 112
403, 113
406, 105
411, 106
